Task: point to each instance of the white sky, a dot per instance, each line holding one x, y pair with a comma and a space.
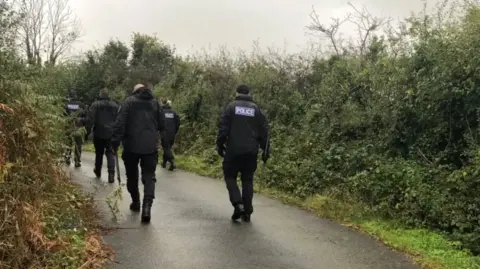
194, 24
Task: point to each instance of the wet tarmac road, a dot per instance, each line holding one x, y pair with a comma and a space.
191, 229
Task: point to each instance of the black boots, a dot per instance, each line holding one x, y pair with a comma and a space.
146, 211
98, 173
172, 166
77, 164
238, 212
111, 177
135, 206
246, 217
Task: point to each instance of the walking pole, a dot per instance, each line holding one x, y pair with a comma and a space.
117, 166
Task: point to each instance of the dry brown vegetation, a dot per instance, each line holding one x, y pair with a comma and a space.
44, 219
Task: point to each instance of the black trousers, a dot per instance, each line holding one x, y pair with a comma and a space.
148, 165
246, 165
167, 145
75, 142
103, 146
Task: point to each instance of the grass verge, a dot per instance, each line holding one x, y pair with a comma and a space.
71, 229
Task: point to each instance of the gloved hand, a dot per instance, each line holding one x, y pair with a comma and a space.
221, 150
115, 145
265, 156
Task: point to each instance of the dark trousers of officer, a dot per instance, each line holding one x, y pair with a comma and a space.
246, 165
148, 165
74, 142
167, 145
103, 146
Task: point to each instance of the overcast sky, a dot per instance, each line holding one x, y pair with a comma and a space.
194, 24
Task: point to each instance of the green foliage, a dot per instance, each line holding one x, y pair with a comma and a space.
111, 67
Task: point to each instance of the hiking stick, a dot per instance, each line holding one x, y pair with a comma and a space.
117, 166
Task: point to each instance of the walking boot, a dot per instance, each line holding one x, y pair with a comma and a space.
135, 206
164, 164
97, 172
77, 165
246, 217
111, 177
238, 212
146, 211
172, 166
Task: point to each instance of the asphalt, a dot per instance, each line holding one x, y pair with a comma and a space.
191, 229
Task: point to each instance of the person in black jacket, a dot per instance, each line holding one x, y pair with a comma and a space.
243, 128
139, 122
172, 124
102, 116
75, 111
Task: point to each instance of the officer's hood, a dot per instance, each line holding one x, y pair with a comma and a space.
143, 93
244, 97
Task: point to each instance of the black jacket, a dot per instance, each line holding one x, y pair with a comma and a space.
139, 121
101, 116
243, 127
172, 122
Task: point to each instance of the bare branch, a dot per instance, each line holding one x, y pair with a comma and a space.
48, 27
32, 28
331, 32
366, 25
64, 29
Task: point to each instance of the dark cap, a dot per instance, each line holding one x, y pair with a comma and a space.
243, 89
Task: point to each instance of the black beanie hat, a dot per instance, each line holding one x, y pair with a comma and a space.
243, 89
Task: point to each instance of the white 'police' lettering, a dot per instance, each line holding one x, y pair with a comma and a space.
169, 115
73, 106
245, 111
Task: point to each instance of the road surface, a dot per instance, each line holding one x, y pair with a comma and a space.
191, 229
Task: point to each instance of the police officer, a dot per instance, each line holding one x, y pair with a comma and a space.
172, 124
138, 124
75, 110
102, 116
243, 128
